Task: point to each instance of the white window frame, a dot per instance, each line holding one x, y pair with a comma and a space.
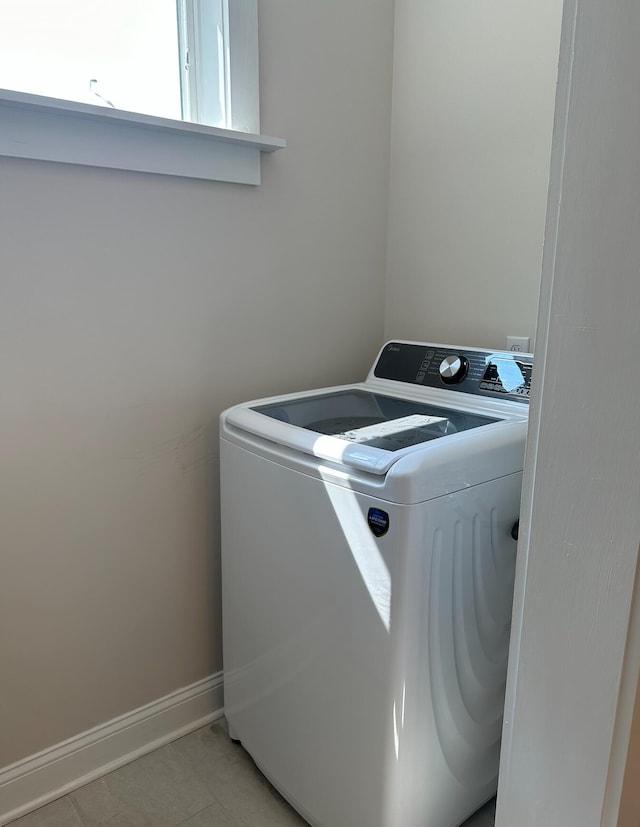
48, 129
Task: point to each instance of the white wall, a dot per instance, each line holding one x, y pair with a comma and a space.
133, 309
571, 647
473, 93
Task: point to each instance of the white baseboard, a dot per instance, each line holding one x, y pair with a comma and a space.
58, 770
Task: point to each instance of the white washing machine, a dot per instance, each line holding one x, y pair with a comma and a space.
367, 576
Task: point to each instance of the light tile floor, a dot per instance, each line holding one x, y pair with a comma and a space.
201, 780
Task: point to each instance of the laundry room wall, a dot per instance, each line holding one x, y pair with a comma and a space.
133, 309
473, 98
629, 815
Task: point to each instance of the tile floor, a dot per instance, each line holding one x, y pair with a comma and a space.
201, 780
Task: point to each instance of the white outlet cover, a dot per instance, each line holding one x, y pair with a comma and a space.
518, 344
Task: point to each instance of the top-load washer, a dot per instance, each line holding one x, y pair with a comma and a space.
367, 578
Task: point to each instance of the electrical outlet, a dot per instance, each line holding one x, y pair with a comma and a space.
519, 344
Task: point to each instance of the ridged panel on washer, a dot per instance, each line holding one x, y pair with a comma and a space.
469, 582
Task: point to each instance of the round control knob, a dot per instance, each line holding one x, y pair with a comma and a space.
453, 369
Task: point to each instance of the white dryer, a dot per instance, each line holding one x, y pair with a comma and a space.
367, 579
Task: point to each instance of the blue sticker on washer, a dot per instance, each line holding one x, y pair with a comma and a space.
378, 521
509, 371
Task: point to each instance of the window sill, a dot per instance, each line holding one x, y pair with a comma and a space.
49, 129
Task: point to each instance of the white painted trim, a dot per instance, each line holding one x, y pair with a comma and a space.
48, 129
58, 770
243, 92
575, 656
558, 153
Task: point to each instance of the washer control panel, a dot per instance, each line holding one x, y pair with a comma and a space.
483, 372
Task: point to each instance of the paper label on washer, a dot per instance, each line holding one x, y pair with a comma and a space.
393, 426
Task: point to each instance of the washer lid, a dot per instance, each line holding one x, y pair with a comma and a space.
365, 418
355, 427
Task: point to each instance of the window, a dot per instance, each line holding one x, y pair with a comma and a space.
88, 81
84, 51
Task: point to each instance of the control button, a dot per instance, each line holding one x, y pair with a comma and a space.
420, 376
425, 365
453, 369
428, 355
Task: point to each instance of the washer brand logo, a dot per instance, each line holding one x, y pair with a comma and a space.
378, 521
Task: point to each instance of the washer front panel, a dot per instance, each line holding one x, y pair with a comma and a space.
365, 673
